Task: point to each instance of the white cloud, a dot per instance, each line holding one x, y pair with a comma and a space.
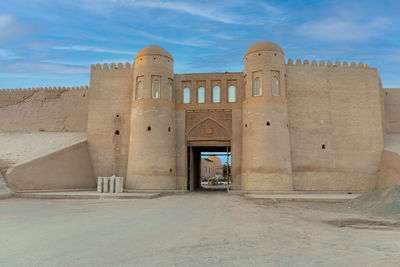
11, 28
94, 49
339, 29
7, 55
5, 20
43, 67
205, 11
186, 42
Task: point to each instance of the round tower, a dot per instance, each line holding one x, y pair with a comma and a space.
266, 161
152, 151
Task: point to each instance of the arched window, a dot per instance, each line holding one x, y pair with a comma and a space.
200, 95
186, 95
216, 94
139, 88
257, 87
170, 90
275, 86
155, 86
231, 94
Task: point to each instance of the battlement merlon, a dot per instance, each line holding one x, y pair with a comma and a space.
111, 66
43, 89
314, 63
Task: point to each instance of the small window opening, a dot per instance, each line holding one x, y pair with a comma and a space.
169, 129
154, 58
117, 115
323, 146
385, 93
139, 88
186, 95
231, 94
257, 87
274, 54
85, 95
245, 125
275, 86
216, 94
259, 54
268, 124
148, 128
170, 90
200, 95
170, 169
116, 132
155, 86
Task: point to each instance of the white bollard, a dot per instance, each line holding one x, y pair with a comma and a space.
121, 187
105, 184
112, 183
118, 184
100, 184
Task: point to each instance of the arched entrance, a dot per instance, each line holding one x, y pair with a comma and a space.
207, 132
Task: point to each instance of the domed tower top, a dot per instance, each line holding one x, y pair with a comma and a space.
264, 46
154, 50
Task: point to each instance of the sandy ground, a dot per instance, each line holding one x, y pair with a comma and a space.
197, 229
392, 142
21, 147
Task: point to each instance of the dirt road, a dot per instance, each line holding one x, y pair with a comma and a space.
198, 229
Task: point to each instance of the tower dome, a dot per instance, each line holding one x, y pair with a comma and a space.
154, 50
264, 46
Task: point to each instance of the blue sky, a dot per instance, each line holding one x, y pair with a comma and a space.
53, 43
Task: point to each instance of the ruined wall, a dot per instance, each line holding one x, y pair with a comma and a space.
335, 125
389, 174
44, 109
392, 109
109, 118
67, 168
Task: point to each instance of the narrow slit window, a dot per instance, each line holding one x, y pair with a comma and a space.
257, 87
155, 86
186, 95
200, 95
216, 94
231, 94
275, 86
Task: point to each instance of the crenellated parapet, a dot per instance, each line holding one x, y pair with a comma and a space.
12, 96
112, 66
42, 89
328, 64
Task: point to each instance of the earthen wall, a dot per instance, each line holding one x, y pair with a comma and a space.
335, 125
392, 110
109, 118
52, 109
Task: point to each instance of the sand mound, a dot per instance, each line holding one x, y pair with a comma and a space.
383, 202
4, 190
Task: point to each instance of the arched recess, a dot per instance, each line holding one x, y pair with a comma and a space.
208, 129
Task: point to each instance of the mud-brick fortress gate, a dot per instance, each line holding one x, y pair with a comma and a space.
288, 125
